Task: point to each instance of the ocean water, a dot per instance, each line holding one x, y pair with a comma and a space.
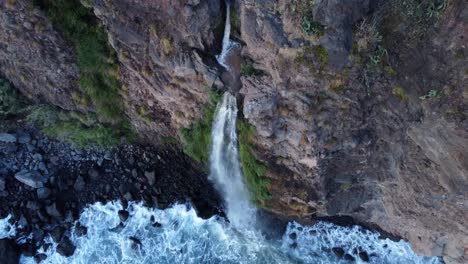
183, 237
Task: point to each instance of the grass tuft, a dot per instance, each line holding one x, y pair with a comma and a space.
196, 139
10, 102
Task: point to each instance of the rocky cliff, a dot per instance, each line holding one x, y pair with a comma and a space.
358, 107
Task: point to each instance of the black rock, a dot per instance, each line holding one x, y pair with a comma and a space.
93, 174
293, 236
57, 233
79, 184
123, 215
9, 253
66, 247
348, 257
364, 256
43, 193
2, 185
136, 243
23, 137
40, 257
53, 211
157, 224
80, 230
339, 252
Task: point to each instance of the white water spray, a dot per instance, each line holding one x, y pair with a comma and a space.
225, 169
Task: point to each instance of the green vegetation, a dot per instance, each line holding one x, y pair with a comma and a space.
75, 128
10, 102
310, 54
389, 70
96, 60
322, 56
253, 170
304, 10
420, 15
247, 69
431, 94
197, 138
399, 92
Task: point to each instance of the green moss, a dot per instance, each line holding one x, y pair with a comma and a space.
399, 92
322, 56
247, 69
96, 60
253, 170
75, 128
197, 138
10, 102
389, 70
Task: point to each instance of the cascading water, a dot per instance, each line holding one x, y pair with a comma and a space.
182, 237
225, 169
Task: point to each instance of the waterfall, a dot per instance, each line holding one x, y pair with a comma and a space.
228, 44
225, 170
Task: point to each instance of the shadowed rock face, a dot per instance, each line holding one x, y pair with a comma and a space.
339, 138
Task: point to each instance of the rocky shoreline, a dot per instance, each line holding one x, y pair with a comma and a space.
45, 184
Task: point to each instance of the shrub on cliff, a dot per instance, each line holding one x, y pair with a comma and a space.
253, 170
196, 139
10, 102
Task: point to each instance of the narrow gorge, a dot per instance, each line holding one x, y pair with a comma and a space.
237, 131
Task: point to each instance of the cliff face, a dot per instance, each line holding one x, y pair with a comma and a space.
162, 47
359, 107
366, 117
35, 57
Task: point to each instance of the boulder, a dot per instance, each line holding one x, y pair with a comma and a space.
66, 247
150, 176
53, 211
23, 137
43, 193
31, 178
7, 138
123, 215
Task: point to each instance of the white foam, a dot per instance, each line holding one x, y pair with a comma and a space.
186, 238
6, 229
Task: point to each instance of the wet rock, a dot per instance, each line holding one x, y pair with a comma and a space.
348, 257
136, 243
339, 252
150, 175
53, 211
40, 257
66, 247
54, 160
128, 196
123, 215
7, 138
31, 178
364, 256
9, 253
23, 137
157, 224
57, 233
80, 230
293, 236
43, 193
